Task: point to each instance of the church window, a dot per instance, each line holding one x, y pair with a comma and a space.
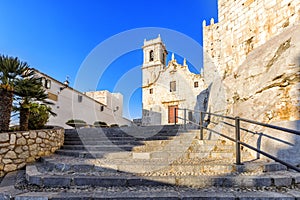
151, 91
196, 84
48, 84
101, 108
79, 98
172, 86
151, 55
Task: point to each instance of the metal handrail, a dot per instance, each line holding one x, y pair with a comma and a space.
238, 129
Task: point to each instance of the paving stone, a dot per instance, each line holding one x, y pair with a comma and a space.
282, 180
56, 181
32, 196
140, 155
258, 195
207, 195
103, 181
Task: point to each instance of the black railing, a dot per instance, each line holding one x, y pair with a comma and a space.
238, 129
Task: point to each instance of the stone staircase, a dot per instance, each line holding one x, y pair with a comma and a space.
150, 157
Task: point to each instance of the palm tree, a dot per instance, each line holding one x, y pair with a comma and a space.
11, 69
29, 90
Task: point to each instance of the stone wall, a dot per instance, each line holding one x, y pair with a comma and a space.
252, 62
19, 148
243, 26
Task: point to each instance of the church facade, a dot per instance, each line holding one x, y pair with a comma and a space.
167, 88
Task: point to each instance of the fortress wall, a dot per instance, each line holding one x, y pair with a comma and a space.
243, 26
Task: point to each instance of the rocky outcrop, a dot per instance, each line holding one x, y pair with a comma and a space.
265, 88
267, 83
19, 148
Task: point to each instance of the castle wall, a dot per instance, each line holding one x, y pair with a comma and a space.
243, 26
252, 62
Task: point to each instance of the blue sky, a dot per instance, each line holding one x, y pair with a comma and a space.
56, 36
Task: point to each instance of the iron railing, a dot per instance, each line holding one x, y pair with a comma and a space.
238, 128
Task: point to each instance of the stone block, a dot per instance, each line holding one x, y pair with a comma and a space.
7, 161
4, 137
10, 155
33, 147
21, 141
18, 161
32, 135
3, 150
97, 181
13, 138
57, 181
263, 195
254, 181
34, 180
140, 155
25, 134
19, 166
25, 154
39, 140
30, 159
30, 141
296, 179
282, 181
42, 135
10, 167
32, 196
25, 148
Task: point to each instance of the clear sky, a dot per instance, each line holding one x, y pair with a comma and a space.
56, 36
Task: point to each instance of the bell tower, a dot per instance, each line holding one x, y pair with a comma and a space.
155, 54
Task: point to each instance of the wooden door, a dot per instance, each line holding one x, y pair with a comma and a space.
171, 114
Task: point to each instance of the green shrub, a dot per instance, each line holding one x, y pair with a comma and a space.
100, 124
38, 116
114, 125
76, 123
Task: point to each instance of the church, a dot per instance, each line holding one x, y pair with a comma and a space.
167, 88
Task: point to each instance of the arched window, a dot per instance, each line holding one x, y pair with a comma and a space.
151, 56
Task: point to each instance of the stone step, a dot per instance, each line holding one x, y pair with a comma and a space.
15, 188
139, 134
80, 154
281, 178
107, 142
191, 166
111, 147
118, 138
164, 193
164, 154
22, 192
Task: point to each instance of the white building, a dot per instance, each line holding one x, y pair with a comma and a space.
113, 101
167, 87
72, 104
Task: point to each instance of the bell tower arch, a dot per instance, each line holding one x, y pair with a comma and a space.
155, 54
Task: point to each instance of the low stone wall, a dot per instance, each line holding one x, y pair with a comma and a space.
20, 147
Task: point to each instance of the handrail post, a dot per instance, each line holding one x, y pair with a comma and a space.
237, 141
175, 117
201, 125
184, 118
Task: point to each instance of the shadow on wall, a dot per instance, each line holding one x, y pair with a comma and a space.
202, 103
151, 118
280, 144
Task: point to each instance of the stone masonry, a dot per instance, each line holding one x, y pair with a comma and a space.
243, 26
252, 61
19, 148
